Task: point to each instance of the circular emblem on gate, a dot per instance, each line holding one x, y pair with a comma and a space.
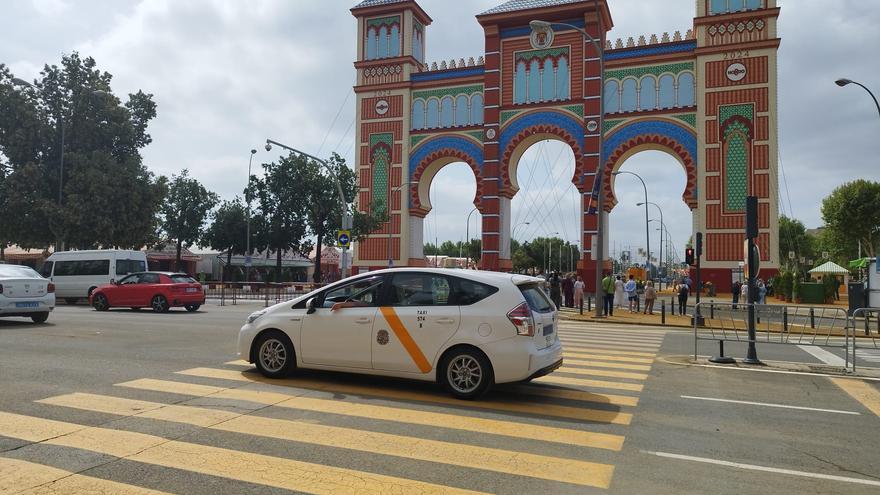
541, 38
592, 126
736, 72
382, 337
490, 134
382, 107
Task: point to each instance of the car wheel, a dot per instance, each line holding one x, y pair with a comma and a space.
159, 304
71, 300
192, 307
40, 317
466, 373
274, 354
100, 303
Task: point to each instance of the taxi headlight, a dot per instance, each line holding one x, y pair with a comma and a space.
253, 316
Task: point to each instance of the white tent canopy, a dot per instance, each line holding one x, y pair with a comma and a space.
830, 268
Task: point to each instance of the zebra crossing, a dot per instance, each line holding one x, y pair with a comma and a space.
226, 429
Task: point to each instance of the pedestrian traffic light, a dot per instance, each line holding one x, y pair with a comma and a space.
689, 256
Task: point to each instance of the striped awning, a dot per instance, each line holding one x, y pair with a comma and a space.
831, 268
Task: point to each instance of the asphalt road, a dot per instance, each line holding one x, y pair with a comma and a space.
135, 402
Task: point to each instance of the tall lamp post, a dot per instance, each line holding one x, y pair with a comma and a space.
845, 82
647, 230
248, 255
390, 258
659, 253
467, 231
346, 212
544, 26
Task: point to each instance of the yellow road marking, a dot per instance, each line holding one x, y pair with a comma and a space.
532, 465
28, 478
255, 396
614, 336
605, 373
607, 357
405, 338
558, 393
537, 409
286, 474
621, 352
455, 422
626, 343
582, 382
861, 391
600, 364
612, 345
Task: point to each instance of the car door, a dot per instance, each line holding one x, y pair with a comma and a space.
123, 293
338, 332
418, 320
148, 286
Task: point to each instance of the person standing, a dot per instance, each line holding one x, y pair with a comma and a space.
578, 292
631, 296
650, 297
555, 293
744, 294
735, 292
608, 291
619, 293
568, 291
762, 292
837, 285
683, 292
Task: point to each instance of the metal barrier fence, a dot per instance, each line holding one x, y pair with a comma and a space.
266, 292
774, 324
865, 320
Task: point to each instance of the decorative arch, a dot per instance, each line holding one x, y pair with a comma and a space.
526, 130
651, 134
431, 156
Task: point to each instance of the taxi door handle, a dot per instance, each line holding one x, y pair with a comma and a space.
446, 321
363, 320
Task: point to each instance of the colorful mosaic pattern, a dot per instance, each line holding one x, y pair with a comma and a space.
384, 21
540, 55
611, 124
728, 111
380, 158
688, 118
452, 91
449, 141
639, 128
655, 70
736, 165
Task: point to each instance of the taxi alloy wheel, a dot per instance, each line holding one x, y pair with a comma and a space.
159, 304
274, 355
468, 374
99, 302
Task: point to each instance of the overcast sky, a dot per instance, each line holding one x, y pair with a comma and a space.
228, 74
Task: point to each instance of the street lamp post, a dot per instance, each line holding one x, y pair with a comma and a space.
248, 255
660, 252
845, 82
545, 26
513, 236
467, 231
390, 259
346, 212
647, 230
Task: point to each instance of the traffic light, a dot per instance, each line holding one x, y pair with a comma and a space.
689, 256
699, 244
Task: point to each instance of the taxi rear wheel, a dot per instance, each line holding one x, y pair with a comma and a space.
274, 355
466, 373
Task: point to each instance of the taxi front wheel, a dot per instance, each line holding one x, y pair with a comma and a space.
466, 373
274, 355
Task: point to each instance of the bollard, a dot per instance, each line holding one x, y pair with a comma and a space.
581, 306
812, 318
785, 319
234, 302
721, 358
712, 310
223, 295
672, 299
662, 312
266, 292
589, 304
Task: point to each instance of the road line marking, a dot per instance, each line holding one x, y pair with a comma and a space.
581, 382
286, 474
617, 352
407, 447
558, 393
18, 476
609, 347
179, 387
616, 336
424, 418
602, 340
537, 409
861, 391
624, 345
603, 373
823, 355
600, 364
759, 370
607, 357
765, 469
781, 406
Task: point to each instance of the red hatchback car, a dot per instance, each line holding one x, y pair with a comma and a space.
158, 290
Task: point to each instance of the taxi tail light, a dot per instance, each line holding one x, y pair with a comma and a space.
521, 317
50, 288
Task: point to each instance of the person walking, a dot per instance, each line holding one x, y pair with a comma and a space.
578, 292
683, 292
735, 290
837, 284
555, 294
608, 291
632, 297
568, 291
650, 297
762, 292
619, 293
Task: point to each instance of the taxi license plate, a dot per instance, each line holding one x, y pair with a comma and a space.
27, 305
191, 289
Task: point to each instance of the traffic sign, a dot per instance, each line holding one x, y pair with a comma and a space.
343, 238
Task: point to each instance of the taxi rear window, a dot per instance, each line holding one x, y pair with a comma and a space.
468, 292
536, 298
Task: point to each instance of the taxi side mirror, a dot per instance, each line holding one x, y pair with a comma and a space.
310, 306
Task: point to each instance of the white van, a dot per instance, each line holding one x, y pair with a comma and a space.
77, 273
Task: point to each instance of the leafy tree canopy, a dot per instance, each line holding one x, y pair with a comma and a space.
851, 216
185, 210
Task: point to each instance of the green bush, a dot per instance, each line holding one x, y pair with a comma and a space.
796, 288
828, 283
786, 284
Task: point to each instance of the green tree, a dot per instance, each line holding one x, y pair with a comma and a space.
851, 216
69, 115
185, 210
228, 231
793, 237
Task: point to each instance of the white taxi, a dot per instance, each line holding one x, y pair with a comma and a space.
24, 292
466, 330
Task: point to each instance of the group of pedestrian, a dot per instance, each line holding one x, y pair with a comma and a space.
565, 290
626, 294
741, 293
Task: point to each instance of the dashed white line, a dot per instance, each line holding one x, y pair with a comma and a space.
765, 404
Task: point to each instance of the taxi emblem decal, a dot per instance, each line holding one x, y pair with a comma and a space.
382, 337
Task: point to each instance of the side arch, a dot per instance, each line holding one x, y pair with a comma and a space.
651, 134
431, 156
522, 132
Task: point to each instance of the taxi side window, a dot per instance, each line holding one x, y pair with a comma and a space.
420, 289
468, 292
363, 292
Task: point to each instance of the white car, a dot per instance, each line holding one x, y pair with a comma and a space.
463, 329
23, 292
